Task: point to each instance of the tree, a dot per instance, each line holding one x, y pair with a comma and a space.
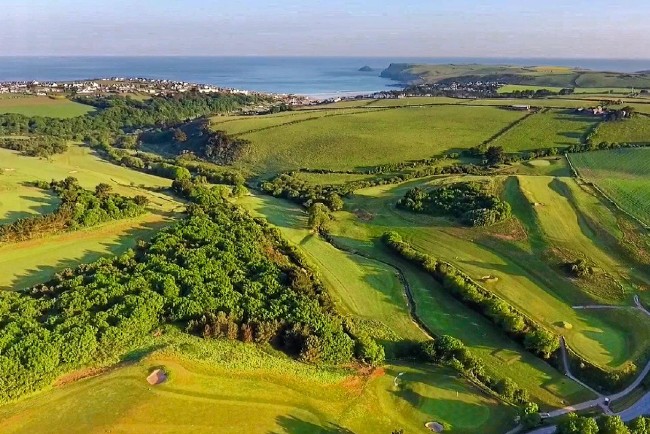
542, 342
530, 416
612, 425
179, 135
494, 155
319, 216
640, 425
103, 190
574, 424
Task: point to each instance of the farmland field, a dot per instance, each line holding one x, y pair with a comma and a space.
632, 131
350, 141
547, 129
623, 174
223, 386
43, 106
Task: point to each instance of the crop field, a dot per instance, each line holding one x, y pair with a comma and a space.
623, 174
221, 386
546, 129
18, 199
43, 106
373, 137
633, 131
436, 307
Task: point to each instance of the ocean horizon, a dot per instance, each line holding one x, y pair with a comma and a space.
311, 76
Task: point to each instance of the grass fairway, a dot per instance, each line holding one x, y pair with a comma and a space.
43, 106
29, 263
623, 174
373, 137
361, 287
18, 199
218, 386
524, 279
364, 291
547, 129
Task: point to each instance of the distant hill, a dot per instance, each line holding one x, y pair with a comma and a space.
366, 69
555, 76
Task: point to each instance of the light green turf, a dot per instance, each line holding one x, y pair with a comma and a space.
361, 287
415, 101
525, 280
373, 137
17, 199
633, 131
43, 106
623, 174
28, 263
228, 387
441, 313
546, 129
584, 90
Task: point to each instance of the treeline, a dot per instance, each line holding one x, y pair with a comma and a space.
521, 328
290, 186
116, 115
79, 208
218, 273
575, 424
40, 146
467, 201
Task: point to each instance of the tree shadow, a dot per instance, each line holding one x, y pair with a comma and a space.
125, 241
39, 205
293, 425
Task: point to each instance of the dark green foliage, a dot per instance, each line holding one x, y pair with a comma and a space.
319, 217
219, 271
298, 190
41, 146
521, 328
574, 424
612, 425
530, 417
579, 268
467, 201
79, 208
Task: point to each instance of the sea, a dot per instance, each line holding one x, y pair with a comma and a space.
318, 77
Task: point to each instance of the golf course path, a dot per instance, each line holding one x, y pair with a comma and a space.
640, 306
637, 305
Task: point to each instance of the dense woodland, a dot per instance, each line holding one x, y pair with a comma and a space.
574, 424
78, 208
467, 201
34, 146
218, 273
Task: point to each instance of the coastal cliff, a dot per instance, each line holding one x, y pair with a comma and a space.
401, 72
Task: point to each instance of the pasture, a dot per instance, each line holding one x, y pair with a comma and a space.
57, 107
373, 293
373, 137
633, 131
623, 174
546, 129
230, 387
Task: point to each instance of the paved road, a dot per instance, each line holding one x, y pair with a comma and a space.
640, 306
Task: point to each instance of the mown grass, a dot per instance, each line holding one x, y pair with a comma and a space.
32, 262
547, 129
43, 106
634, 131
442, 313
373, 137
524, 278
19, 199
218, 386
623, 174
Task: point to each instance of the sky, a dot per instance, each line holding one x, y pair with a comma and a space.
405, 28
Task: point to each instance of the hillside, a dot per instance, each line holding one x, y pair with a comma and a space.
553, 76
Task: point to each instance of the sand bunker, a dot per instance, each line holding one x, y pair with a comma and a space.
435, 426
157, 377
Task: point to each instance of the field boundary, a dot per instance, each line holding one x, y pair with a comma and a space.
600, 191
509, 127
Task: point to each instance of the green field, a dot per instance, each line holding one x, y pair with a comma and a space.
17, 199
546, 129
524, 278
580, 90
43, 106
219, 386
623, 174
373, 137
443, 314
633, 131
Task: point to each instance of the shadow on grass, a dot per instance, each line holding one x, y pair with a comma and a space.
125, 241
294, 425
